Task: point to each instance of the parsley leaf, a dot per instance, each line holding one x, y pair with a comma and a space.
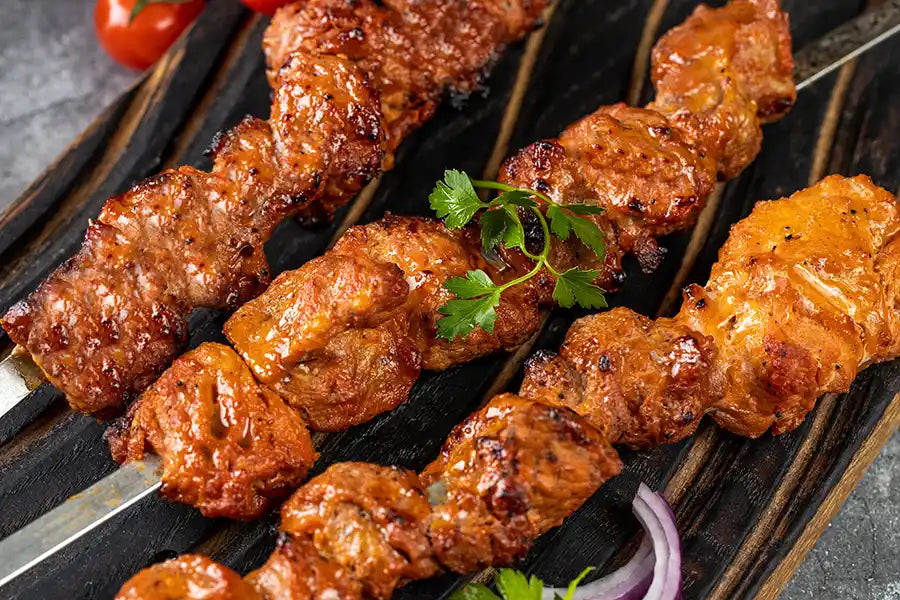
462, 316
562, 224
585, 209
570, 593
514, 236
475, 283
589, 234
516, 198
513, 585
494, 226
454, 199
575, 286
474, 591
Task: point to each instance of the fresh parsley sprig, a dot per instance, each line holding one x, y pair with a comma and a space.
513, 585
454, 199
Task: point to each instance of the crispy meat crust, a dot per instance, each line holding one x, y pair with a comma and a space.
350, 79
229, 447
413, 50
804, 296
188, 577
344, 337
368, 519
510, 472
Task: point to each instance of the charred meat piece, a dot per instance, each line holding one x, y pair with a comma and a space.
188, 577
350, 80
304, 309
108, 321
413, 50
647, 176
803, 297
229, 446
102, 327
194, 231
368, 519
748, 40
507, 474
327, 128
345, 337
296, 571
721, 72
357, 375
429, 255
641, 382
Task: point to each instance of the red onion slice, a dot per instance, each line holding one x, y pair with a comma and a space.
654, 572
658, 521
628, 583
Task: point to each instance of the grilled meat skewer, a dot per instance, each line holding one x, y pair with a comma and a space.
822, 265
349, 81
651, 169
346, 336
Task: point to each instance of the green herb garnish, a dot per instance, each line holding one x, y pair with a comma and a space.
142, 4
513, 585
454, 199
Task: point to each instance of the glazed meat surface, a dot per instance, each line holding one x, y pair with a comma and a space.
188, 577
371, 520
344, 337
804, 296
717, 75
748, 39
350, 80
641, 382
106, 323
507, 474
413, 50
73, 325
229, 446
295, 570
357, 375
304, 309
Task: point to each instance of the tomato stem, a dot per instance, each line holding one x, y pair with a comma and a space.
142, 4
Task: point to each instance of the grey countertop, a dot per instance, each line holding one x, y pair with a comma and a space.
54, 80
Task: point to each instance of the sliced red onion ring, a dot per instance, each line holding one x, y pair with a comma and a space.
654, 572
658, 521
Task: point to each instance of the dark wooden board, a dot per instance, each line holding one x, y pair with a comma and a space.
747, 509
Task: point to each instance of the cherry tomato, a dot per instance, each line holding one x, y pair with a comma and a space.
266, 6
139, 43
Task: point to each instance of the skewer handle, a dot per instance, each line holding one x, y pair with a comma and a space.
77, 516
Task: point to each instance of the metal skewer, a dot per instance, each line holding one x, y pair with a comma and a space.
77, 516
84, 512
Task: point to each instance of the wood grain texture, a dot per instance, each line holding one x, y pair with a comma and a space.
747, 509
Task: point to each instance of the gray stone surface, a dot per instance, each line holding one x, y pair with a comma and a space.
54, 80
